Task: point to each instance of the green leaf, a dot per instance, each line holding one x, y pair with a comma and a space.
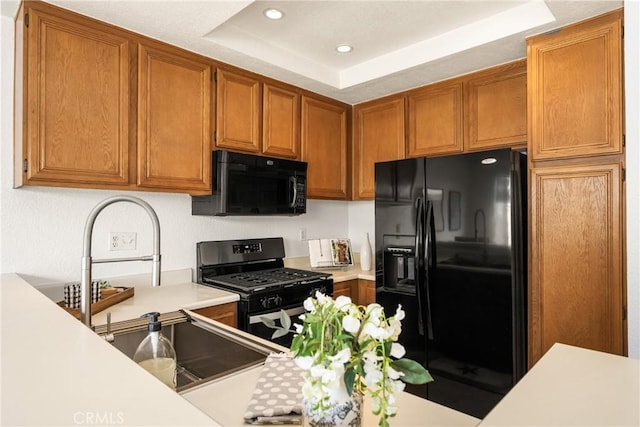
349, 380
414, 373
387, 348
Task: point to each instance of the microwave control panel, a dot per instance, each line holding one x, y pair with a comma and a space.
301, 189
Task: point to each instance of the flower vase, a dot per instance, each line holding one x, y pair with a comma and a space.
345, 413
365, 254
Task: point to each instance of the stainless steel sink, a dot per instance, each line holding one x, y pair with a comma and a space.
204, 351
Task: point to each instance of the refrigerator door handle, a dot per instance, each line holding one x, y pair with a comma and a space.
429, 263
418, 259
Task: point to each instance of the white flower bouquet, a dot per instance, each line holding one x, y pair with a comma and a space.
344, 346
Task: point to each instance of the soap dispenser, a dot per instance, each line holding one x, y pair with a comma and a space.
156, 354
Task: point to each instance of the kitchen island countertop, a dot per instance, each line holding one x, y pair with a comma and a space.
413, 411
61, 373
57, 372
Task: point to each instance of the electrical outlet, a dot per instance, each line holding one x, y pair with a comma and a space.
303, 233
122, 241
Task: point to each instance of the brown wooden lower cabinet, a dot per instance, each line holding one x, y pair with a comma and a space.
348, 288
576, 287
361, 292
367, 292
223, 313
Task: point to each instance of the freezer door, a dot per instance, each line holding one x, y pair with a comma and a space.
399, 185
472, 300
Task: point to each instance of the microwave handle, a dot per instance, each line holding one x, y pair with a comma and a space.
293, 181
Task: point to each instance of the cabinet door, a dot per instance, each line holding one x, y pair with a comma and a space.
575, 284
435, 120
324, 148
496, 107
345, 289
238, 112
378, 136
280, 122
367, 292
575, 90
75, 126
223, 313
174, 120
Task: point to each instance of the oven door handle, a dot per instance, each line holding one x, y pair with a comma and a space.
275, 315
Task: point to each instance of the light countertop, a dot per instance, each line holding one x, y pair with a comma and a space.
164, 299
61, 373
572, 386
237, 390
57, 372
340, 274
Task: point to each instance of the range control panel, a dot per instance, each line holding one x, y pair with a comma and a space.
252, 248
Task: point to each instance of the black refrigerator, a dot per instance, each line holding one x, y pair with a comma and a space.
451, 245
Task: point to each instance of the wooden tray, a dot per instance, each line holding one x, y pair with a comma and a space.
104, 303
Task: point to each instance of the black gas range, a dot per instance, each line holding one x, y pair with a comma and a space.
254, 269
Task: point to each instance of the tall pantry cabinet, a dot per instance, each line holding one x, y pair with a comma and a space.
576, 159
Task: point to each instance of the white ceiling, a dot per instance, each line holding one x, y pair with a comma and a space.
398, 44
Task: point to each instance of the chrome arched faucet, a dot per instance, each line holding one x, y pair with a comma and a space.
85, 284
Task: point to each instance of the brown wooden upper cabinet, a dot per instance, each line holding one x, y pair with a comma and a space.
324, 148
280, 122
238, 117
576, 291
72, 100
495, 112
174, 120
257, 117
379, 136
435, 119
78, 123
575, 90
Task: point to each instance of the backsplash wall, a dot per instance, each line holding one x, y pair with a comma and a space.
42, 230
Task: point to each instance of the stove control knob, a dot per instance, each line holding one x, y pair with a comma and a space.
278, 300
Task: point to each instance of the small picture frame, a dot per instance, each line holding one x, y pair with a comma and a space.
341, 252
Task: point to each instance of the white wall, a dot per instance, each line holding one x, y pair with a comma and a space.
41, 228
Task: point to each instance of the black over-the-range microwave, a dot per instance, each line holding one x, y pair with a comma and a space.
245, 184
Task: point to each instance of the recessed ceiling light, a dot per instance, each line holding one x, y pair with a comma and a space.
273, 13
344, 48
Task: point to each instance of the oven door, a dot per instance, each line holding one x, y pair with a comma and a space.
256, 327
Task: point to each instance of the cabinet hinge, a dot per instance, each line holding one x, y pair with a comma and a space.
214, 77
26, 20
624, 140
624, 312
25, 165
624, 174
622, 32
